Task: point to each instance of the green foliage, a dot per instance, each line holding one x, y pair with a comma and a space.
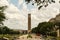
44, 3
10, 37
53, 34
6, 30
29, 36
43, 28
2, 15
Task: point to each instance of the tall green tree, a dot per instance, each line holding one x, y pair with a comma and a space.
2, 15
44, 28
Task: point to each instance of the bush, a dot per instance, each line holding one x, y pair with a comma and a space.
6, 30
53, 34
29, 36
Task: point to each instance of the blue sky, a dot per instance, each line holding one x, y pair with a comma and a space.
16, 3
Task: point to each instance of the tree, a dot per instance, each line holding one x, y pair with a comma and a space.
2, 15
6, 30
44, 28
41, 3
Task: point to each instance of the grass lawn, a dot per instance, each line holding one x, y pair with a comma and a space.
9, 36
50, 37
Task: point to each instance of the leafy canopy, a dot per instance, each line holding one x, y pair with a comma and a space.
43, 28
41, 3
2, 15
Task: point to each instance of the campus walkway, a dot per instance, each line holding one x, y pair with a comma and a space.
34, 37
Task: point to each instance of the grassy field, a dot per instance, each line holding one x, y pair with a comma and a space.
9, 36
50, 37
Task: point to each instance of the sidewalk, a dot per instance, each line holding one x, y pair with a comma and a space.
34, 37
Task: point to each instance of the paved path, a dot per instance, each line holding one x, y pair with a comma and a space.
24, 37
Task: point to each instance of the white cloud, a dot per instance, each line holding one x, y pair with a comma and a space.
3, 2
15, 24
14, 15
44, 14
20, 1
18, 18
13, 12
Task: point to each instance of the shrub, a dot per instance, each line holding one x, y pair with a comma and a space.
6, 30
29, 36
53, 34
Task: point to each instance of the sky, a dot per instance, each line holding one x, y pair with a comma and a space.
17, 13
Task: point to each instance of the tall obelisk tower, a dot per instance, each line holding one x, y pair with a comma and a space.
29, 23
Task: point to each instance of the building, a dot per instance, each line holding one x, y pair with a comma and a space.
29, 23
